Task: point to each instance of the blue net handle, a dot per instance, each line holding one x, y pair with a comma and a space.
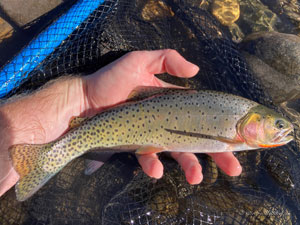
44, 44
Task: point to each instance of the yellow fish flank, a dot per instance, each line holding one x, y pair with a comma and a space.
171, 120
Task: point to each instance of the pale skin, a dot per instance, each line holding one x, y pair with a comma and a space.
44, 115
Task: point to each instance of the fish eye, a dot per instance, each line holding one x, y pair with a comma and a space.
279, 124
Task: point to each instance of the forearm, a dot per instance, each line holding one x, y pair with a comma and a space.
44, 115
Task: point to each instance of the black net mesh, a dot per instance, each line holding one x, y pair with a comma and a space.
267, 192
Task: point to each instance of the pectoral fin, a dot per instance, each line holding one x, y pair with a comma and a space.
228, 141
205, 136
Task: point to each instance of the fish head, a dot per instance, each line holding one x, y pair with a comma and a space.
264, 128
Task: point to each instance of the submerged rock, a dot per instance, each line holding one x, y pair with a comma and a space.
280, 89
255, 17
274, 58
288, 10
280, 51
227, 12
156, 10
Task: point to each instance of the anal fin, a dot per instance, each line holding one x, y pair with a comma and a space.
149, 149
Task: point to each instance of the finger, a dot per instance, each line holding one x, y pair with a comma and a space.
170, 61
227, 162
190, 165
151, 165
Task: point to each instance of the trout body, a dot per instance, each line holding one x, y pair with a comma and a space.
174, 120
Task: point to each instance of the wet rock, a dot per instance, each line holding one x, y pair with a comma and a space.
255, 17
226, 11
280, 51
25, 11
6, 30
280, 87
156, 10
287, 10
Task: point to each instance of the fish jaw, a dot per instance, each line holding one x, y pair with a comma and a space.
281, 138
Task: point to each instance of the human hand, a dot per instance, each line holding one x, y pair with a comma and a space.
44, 116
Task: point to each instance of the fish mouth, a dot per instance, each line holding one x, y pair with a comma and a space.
284, 136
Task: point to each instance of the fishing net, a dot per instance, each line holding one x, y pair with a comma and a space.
267, 192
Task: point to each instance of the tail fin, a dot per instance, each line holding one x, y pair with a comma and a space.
26, 161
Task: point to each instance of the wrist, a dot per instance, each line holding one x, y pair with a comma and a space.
44, 115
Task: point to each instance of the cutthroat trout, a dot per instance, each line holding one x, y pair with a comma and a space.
169, 120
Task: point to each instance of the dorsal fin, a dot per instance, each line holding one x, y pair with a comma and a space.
143, 92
